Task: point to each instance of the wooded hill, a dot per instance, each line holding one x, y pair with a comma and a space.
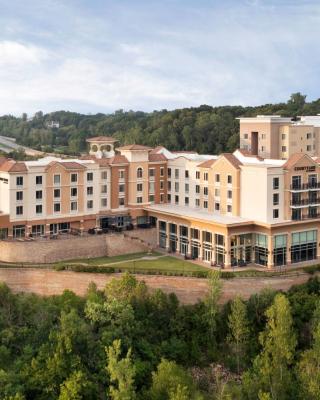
205, 129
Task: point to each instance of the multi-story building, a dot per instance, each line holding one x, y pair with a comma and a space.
231, 209
276, 137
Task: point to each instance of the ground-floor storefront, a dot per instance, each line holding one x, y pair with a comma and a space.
238, 244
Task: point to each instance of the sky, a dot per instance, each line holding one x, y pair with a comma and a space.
94, 56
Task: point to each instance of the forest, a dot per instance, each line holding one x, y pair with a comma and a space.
204, 129
128, 343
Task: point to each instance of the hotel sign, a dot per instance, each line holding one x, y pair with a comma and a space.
308, 168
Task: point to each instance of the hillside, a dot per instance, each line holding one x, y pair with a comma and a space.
205, 129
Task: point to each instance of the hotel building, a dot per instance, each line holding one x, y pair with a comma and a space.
251, 206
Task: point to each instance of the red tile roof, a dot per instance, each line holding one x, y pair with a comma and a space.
101, 139
13, 166
206, 164
247, 153
70, 165
157, 157
232, 159
134, 147
157, 149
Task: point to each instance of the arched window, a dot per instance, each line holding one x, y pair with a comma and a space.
139, 172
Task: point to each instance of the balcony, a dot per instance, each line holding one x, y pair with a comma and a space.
305, 202
305, 186
306, 216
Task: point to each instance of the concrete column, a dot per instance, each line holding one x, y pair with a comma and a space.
47, 229
289, 244
10, 233
158, 232
189, 242
270, 263
28, 230
178, 241
201, 246
81, 227
227, 256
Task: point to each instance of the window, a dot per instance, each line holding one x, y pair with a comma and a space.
39, 209
19, 196
176, 173
309, 147
186, 201
56, 207
121, 188
176, 186
262, 148
217, 179
161, 185
74, 178
186, 187
283, 149
229, 194
104, 202
139, 187
217, 206
217, 192
104, 188
296, 182
162, 171
205, 204
19, 180
176, 199
89, 191
139, 199
275, 183
186, 174
151, 198
19, 210
121, 201
73, 206
56, 193
205, 191
56, 179
73, 192
169, 198
152, 172
89, 176
309, 135
121, 173
275, 199
169, 172
205, 176
139, 173
161, 198
104, 175
197, 188
263, 136
245, 136
39, 194
276, 213
151, 187
197, 174
283, 136
169, 186
229, 179
197, 202
39, 180
89, 204
229, 208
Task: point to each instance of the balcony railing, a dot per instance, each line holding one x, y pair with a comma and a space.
305, 186
305, 202
305, 216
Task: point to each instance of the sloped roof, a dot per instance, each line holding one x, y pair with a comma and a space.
184, 151
232, 159
206, 164
69, 165
3, 160
101, 139
157, 149
134, 147
157, 157
247, 153
118, 159
292, 160
13, 166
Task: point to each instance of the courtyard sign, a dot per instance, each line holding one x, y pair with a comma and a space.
308, 168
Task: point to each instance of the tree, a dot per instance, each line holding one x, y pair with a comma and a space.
122, 373
308, 371
211, 302
271, 370
74, 388
239, 330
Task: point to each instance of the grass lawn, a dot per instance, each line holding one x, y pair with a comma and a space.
109, 260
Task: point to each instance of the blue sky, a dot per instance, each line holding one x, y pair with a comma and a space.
100, 56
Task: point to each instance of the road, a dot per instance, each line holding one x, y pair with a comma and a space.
9, 144
188, 290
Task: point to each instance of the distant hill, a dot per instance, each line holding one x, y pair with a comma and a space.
205, 129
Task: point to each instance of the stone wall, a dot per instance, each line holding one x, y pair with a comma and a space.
147, 236
49, 251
